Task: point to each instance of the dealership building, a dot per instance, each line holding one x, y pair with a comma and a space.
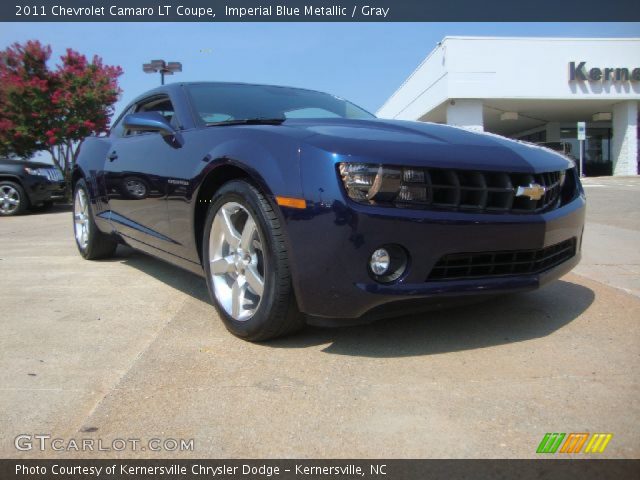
534, 89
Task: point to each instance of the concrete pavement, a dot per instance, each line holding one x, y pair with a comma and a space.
131, 348
611, 252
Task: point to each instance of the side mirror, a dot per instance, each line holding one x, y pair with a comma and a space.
148, 122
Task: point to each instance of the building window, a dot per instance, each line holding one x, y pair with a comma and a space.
597, 149
537, 137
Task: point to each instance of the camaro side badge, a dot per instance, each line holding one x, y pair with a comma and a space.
534, 191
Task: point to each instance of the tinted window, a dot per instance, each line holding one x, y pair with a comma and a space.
162, 105
220, 102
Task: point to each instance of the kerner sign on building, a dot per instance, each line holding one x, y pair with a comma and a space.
580, 72
534, 89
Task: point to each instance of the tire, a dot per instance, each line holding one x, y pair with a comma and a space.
246, 265
13, 199
91, 242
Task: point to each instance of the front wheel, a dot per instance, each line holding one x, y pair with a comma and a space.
13, 200
246, 264
91, 242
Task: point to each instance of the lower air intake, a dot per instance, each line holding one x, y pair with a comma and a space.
460, 266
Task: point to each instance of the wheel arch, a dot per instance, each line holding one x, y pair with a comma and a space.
219, 172
7, 177
76, 175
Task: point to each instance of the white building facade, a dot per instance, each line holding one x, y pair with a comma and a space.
534, 89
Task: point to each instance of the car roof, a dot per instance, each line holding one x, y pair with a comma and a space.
172, 87
240, 83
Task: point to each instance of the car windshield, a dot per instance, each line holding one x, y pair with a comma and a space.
220, 103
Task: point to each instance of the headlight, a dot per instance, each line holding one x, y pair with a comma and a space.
366, 183
370, 183
35, 171
51, 173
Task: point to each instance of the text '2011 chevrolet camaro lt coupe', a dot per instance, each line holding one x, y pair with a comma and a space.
298, 206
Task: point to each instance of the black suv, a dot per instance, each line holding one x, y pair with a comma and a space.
25, 184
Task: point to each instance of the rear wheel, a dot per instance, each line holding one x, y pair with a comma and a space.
91, 242
246, 265
13, 200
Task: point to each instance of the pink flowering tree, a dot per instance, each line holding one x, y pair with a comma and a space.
45, 109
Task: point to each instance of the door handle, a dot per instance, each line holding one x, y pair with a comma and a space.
112, 156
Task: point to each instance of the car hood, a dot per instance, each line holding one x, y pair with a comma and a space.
24, 163
424, 144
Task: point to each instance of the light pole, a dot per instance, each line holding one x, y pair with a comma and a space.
165, 68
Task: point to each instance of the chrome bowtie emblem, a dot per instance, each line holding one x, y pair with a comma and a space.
534, 191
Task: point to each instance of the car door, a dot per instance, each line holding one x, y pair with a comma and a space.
135, 176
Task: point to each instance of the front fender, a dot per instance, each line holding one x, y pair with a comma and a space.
273, 165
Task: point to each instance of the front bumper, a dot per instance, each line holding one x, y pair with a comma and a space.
331, 243
40, 189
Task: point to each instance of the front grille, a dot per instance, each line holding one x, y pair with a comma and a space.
53, 174
460, 266
477, 191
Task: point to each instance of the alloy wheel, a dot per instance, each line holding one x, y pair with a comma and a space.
237, 261
81, 218
9, 199
136, 188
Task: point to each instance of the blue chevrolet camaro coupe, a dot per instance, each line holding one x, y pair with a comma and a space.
298, 206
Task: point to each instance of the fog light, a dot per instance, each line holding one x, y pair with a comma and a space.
388, 263
380, 261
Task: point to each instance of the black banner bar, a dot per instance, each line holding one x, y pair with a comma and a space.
316, 469
317, 10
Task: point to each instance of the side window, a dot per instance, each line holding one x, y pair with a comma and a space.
162, 105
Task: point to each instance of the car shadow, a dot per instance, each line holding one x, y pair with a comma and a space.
178, 278
55, 208
496, 321
499, 320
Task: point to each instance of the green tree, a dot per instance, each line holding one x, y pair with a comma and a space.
53, 109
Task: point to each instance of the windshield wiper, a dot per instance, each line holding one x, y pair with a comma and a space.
248, 121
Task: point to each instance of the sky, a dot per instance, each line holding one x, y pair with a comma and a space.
362, 62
